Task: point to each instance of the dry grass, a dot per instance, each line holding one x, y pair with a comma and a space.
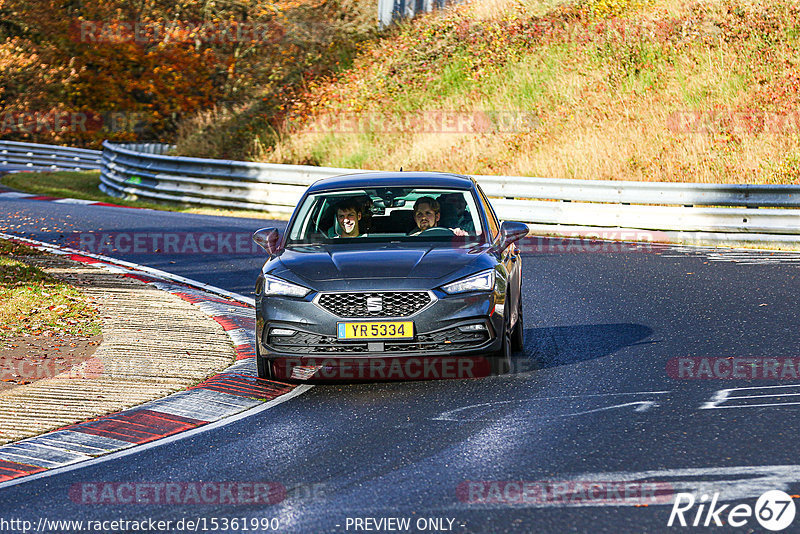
612, 98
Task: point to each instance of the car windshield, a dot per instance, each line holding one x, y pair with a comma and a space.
387, 214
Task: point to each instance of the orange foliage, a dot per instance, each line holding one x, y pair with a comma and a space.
119, 73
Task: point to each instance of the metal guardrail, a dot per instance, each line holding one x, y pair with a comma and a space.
626, 192
221, 183
37, 157
726, 208
144, 170
150, 148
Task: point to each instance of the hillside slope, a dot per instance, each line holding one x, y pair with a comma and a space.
651, 90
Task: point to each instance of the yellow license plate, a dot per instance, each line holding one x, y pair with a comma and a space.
377, 330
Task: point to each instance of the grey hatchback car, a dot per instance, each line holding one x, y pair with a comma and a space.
383, 276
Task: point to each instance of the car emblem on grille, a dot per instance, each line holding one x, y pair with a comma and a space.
374, 304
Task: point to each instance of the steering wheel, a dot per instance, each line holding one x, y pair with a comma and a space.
436, 231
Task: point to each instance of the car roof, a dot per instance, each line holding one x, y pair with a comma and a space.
392, 179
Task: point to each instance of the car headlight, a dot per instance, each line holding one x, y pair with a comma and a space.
276, 286
482, 281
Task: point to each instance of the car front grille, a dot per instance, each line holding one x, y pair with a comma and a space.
442, 341
377, 304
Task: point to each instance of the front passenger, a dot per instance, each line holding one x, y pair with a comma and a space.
348, 217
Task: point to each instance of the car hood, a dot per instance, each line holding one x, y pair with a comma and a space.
322, 263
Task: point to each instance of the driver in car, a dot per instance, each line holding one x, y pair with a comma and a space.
426, 215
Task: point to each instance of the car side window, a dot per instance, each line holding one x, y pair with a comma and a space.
494, 225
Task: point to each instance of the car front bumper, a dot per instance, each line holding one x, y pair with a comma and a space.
447, 340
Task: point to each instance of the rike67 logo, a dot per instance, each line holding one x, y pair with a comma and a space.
774, 510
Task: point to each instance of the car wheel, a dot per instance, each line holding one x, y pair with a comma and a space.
264, 366
501, 362
518, 336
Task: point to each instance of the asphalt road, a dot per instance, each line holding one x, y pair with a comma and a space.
593, 398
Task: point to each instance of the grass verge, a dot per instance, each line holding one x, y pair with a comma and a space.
34, 303
85, 186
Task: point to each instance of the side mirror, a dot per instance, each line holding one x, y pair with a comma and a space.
267, 238
510, 232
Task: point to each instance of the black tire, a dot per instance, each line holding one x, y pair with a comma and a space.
501, 360
264, 366
518, 335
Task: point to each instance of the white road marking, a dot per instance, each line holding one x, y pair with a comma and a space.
74, 201
736, 255
641, 406
728, 396
743, 482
